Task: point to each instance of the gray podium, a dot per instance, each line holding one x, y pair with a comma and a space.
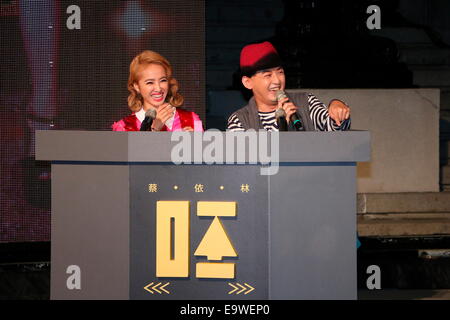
290, 235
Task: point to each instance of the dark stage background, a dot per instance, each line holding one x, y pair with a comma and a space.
56, 76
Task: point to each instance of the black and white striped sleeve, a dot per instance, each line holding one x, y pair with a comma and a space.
234, 124
321, 119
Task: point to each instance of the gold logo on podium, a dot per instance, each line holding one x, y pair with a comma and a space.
172, 240
215, 243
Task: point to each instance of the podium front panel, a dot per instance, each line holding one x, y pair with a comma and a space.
313, 231
246, 231
294, 232
90, 231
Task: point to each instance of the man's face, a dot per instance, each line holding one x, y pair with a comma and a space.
265, 85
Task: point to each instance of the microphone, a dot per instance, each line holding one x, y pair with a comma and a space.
294, 118
280, 115
150, 115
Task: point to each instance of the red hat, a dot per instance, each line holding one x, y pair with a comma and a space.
257, 57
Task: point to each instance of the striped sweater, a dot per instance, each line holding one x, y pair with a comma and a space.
318, 112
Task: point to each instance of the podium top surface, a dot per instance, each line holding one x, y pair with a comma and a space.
108, 146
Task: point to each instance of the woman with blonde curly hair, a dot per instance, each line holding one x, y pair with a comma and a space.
151, 85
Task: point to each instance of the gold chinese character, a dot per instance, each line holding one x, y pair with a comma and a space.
199, 188
153, 187
245, 188
215, 243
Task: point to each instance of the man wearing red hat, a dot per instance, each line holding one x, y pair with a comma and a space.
262, 72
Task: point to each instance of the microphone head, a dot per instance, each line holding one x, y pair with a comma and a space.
151, 113
280, 113
281, 95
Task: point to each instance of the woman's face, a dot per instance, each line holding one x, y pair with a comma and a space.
153, 85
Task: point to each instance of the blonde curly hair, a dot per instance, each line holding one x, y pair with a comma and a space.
135, 100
